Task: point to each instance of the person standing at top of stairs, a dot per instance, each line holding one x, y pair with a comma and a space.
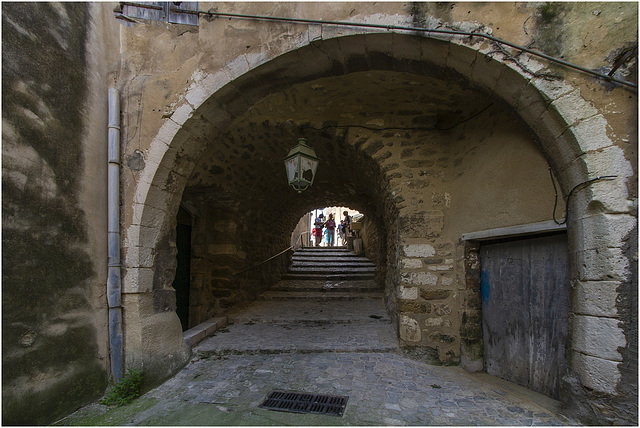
319, 224
347, 223
331, 230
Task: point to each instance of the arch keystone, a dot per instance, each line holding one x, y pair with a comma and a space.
379, 49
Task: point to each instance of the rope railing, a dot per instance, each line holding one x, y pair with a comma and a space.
292, 247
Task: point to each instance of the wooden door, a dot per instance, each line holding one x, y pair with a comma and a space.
525, 308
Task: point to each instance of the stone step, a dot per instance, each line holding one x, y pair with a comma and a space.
328, 277
325, 289
324, 312
315, 255
329, 269
354, 286
202, 331
333, 260
325, 256
319, 295
334, 263
334, 249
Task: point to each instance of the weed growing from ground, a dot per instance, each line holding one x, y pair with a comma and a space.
125, 391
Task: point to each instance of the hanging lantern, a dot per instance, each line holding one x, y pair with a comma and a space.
301, 164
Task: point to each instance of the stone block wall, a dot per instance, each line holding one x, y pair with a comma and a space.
476, 175
216, 257
373, 235
225, 252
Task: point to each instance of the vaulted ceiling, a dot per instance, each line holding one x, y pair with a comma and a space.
243, 168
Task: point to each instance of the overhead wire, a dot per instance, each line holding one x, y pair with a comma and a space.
395, 27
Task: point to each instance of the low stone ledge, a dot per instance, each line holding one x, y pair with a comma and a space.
512, 231
200, 332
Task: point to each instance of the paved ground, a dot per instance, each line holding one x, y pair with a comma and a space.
383, 389
331, 345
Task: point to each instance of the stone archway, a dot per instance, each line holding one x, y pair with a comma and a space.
571, 133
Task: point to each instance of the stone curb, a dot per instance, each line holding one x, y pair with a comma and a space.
195, 335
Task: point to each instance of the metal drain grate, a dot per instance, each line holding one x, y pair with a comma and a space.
299, 402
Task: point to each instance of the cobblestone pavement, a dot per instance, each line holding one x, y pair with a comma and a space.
323, 346
383, 389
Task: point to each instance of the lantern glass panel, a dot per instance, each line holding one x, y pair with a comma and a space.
308, 168
292, 168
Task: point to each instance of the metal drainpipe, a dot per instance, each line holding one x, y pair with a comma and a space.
114, 286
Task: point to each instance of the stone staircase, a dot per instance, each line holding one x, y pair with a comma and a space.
327, 302
329, 263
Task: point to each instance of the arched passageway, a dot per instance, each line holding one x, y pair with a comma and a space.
429, 139
375, 131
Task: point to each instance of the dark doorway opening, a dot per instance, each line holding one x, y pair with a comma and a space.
182, 281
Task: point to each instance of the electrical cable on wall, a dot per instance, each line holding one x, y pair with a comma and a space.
566, 209
428, 31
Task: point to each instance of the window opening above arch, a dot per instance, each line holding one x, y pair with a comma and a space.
160, 11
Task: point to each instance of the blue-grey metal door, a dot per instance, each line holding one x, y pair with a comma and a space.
525, 308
